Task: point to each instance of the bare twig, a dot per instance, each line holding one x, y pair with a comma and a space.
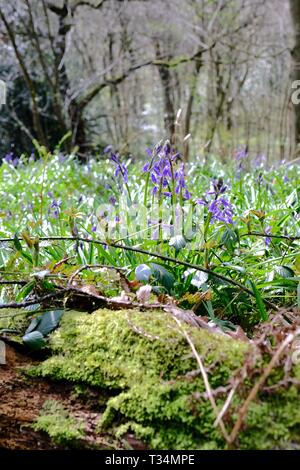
269, 235
205, 380
36, 300
92, 266
252, 395
226, 405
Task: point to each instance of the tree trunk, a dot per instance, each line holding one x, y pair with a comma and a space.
189, 108
295, 13
169, 112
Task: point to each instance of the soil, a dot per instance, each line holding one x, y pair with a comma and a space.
22, 398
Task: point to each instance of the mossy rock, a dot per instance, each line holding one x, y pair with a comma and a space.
144, 360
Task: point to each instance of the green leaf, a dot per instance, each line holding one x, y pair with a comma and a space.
33, 324
143, 272
163, 276
34, 340
178, 242
229, 239
259, 302
17, 243
49, 321
20, 250
25, 291
284, 271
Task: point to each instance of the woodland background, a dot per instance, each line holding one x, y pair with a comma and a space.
117, 71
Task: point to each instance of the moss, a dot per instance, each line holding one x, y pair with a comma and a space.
13, 318
153, 395
63, 428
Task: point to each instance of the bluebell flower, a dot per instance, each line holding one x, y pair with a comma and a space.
267, 232
201, 201
221, 211
218, 188
241, 153
112, 200
107, 149
120, 168
54, 208
160, 168
11, 160
56, 203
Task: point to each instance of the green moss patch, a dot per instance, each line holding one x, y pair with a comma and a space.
63, 428
145, 362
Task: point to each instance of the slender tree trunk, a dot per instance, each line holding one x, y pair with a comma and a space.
189, 107
169, 112
295, 13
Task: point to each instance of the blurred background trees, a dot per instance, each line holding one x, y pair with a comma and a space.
117, 72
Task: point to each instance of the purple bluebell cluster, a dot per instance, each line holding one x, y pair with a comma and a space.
54, 209
259, 160
221, 211
121, 170
220, 208
267, 232
162, 174
241, 153
10, 159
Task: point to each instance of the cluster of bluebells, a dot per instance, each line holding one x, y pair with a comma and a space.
121, 170
267, 232
161, 170
241, 154
10, 159
55, 207
220, 208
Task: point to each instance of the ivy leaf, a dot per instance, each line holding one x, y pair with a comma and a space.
178, 242
34, 340
34, 323
162, 275
284, 271
143, 272
229, 239
49, 321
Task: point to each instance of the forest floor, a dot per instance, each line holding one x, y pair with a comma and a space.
22, 398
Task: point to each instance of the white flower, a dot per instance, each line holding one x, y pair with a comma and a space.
199, 277
143, 294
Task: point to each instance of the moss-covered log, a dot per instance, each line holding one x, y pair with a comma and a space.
157, 392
